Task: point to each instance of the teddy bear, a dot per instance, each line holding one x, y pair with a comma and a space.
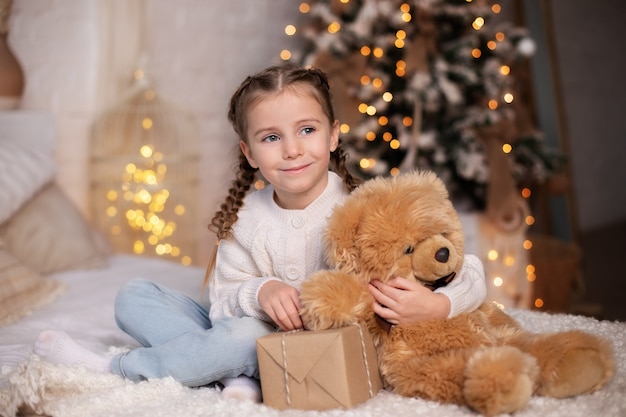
407, 226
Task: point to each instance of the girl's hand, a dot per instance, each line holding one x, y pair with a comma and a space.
282, 303
400, 301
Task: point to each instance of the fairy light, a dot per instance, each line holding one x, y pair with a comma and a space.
400, 37
400, 68
478, 23
530, 273
290, 30
146, 198
367, 163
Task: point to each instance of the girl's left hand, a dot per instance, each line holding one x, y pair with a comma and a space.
401, 301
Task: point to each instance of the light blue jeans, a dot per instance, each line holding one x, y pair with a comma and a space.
179, 340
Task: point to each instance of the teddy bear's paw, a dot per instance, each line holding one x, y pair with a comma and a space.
333, 299
321, 320
573, 363
499, 380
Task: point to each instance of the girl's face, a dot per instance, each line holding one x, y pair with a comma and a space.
290, 140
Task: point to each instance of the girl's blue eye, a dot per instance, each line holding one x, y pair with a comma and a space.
308, 130
271, 138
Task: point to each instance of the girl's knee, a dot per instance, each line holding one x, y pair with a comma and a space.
252, 328
129, 297
135, 288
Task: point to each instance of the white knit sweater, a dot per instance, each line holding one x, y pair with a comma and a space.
272, 243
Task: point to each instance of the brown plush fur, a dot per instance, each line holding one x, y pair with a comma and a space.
482, 359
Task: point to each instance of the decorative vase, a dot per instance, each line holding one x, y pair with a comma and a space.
11, 74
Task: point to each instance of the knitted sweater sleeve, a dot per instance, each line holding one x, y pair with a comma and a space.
468, 290
235, 283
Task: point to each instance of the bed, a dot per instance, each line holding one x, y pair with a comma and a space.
57, 272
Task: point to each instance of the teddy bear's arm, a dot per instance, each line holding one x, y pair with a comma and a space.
332, 299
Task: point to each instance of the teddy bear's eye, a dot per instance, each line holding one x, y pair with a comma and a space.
408, 250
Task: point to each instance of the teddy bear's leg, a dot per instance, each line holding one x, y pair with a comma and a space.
499, 380
437, 377
332, 299
571, 362
490, 380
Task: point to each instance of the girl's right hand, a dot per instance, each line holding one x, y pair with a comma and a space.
282, 303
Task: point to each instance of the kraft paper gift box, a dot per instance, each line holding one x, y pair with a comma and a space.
318, 370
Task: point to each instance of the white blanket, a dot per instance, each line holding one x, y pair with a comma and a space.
85, 312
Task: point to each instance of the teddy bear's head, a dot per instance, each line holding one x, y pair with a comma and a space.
402, 226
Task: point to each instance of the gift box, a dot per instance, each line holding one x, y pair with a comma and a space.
318, 370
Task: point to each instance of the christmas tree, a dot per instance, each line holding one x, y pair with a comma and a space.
426, 84
439, 85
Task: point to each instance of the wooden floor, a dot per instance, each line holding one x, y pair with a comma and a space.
604, 273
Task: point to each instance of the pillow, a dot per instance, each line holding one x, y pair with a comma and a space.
23, 171
49, 234
22, 289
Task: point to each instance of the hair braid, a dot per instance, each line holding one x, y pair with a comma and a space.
338, 160
224, 219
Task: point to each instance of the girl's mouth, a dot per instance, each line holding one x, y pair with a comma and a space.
296, 169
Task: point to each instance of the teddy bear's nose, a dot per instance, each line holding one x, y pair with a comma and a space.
442, 255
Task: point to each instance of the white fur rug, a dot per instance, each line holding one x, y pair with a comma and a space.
75, 392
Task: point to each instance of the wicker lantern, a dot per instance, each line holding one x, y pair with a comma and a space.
144, 176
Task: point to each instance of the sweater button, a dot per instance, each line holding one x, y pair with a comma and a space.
297, 222
292, 273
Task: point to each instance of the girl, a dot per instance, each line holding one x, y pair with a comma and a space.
269, 241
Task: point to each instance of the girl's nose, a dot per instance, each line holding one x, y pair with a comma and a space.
292, 148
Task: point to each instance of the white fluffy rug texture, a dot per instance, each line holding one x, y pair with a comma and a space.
75, 392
